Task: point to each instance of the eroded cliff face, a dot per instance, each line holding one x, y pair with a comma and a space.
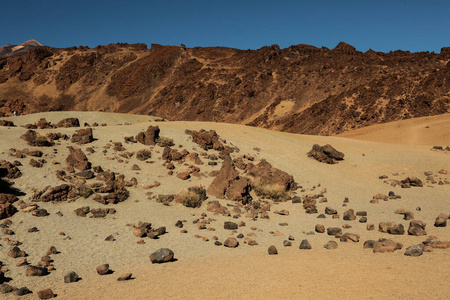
300, 89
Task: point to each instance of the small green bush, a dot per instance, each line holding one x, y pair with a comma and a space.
192, 197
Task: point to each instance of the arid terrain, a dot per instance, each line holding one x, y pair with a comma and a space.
299, 89
219, 199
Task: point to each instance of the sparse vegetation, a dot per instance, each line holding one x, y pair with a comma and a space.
276, 192
143, 154
164, 199
192, 197
120, 191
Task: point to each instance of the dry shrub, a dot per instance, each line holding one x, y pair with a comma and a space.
277, 192
120, 191
192, 197
164, 199
143, 154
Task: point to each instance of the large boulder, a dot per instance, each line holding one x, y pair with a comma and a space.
417, 227
77, 159
60, 193
228, 184
9, 170
383, 246
270, 182
326, 154
82, 136
69, 122
207, 139
35, 139
148, 137
7, 210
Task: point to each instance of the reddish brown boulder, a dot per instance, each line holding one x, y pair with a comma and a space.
383, 246
60, 193
441, 220
15, 252
82, 136
411, 181
214, 206
125, 277
417, 227
207, 139
77, 159
272, 250
46, 294
103, 269
9, 170
69, 122
231, 242
36, 271
266, 175
7, 198
7, 123
43, 124
35, 139
36, 164
228, 184
326, 154
7, 210
149, 136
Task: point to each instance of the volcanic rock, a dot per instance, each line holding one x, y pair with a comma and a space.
77, 159
326, 154
149, 136
305, 245
272, 250
161, 256
82, 136
71, 277
417, 227
231, 242
416, 250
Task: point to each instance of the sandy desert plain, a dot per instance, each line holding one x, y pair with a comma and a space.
202, 269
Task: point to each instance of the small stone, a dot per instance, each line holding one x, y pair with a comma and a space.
331, 245
305, 245
124, 277
369, 244
110, 238
217, 243
33, 229
272, 250
103, 269
45, 294
6, 288
416, 250
22, 291
370, 227
36, 271
230, 225
286, 243
333, 230
231, 242
320, 228
71, 277
52, 250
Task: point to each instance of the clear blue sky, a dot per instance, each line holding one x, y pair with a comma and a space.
414, 25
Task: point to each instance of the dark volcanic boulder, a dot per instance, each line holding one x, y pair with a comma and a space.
60, 193
6, 123
149, 136
161, 256
77, 159
9, 170
326, 154
7, 210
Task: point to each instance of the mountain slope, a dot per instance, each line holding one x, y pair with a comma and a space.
300, 89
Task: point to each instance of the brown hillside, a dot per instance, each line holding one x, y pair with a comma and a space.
300, 89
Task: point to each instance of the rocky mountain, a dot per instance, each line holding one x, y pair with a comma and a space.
302, 88
15, 50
